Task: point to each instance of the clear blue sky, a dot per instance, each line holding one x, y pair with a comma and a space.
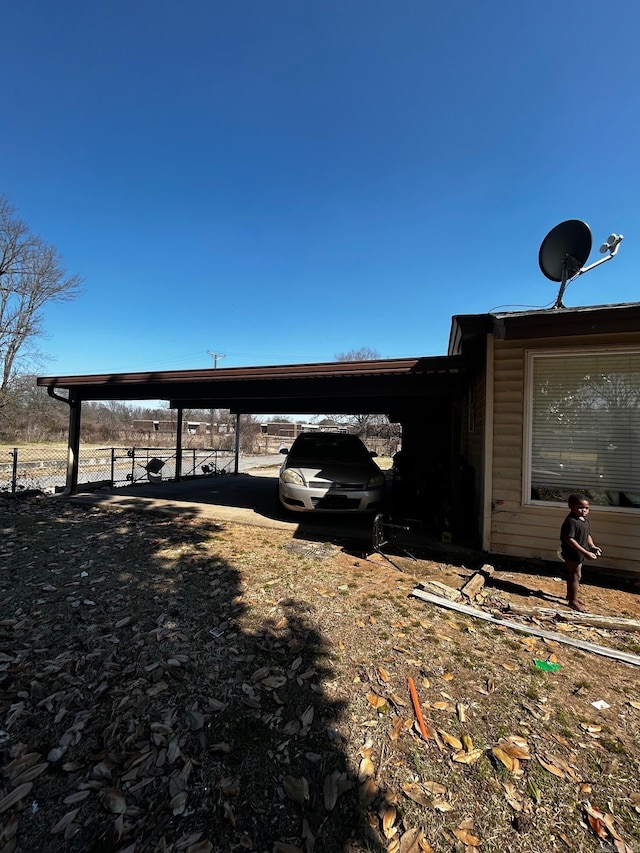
280, 181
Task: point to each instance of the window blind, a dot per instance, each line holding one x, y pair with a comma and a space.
585, 425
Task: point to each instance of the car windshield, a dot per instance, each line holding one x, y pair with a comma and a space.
334, 448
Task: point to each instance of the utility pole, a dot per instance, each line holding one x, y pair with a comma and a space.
215, 356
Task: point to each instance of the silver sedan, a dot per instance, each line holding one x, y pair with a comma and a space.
331, 472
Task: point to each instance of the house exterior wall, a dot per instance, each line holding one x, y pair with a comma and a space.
519, 529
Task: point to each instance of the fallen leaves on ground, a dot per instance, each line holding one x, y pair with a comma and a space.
178, 686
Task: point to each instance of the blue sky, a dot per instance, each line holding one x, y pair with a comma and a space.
280, 181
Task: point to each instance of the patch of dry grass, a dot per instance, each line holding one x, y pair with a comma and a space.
182, 685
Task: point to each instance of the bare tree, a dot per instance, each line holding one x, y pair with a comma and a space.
31, 274
364, 424
362, 354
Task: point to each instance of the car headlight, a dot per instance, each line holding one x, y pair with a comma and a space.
293, 477
376, 481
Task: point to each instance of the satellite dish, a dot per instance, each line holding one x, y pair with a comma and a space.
565, 249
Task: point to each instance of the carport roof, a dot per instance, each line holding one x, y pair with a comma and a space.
380, 386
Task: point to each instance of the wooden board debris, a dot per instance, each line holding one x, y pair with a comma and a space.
591, 620
625, 657
441, 589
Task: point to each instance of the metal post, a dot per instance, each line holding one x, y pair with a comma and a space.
73, 451
113, 465
179, 444
563, 283
14, 472
236, 463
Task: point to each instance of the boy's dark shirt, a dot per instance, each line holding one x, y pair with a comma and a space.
573, 528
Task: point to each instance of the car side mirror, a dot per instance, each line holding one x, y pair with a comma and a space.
284, 450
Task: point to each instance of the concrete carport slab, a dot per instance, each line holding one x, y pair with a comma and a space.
248, 498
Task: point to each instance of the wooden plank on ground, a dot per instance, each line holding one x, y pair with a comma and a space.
624, 657
441, 589
590, 620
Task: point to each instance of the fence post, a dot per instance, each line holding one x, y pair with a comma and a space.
14, 472
113, 465
178, 474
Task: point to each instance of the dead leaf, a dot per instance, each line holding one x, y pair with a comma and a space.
413, 841
330, 790
30, 773
274, 682
557, 766
514, 797
596, 821
229, 813
297, 789
470, 757
368, 791
383, 675
230, 786
504, 758
366, 769
64, 821
467, 837
378, 702
15, 796
76, 797
306, 718
450, 740
515, 746
389, 816
416, 792
396, 729
178, 803
113, 801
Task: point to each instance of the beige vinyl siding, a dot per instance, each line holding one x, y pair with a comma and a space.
532, 531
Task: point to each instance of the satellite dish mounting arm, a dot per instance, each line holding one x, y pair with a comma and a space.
569, 272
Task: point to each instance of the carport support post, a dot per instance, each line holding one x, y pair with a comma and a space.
179, 444
73, 449
236, 463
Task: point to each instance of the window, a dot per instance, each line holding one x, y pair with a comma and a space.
584, 426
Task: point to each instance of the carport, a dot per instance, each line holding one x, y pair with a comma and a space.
421, 394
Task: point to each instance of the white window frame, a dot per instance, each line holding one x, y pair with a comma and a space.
530, 357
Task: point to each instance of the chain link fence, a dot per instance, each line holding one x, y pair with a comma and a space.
44, 469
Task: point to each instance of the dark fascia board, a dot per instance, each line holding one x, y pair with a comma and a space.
545, 323
229, 382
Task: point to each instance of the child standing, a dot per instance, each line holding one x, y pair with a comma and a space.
577, 546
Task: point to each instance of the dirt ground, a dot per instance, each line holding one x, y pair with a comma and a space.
187, 684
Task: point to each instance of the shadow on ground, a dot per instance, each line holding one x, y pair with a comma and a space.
166, 710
